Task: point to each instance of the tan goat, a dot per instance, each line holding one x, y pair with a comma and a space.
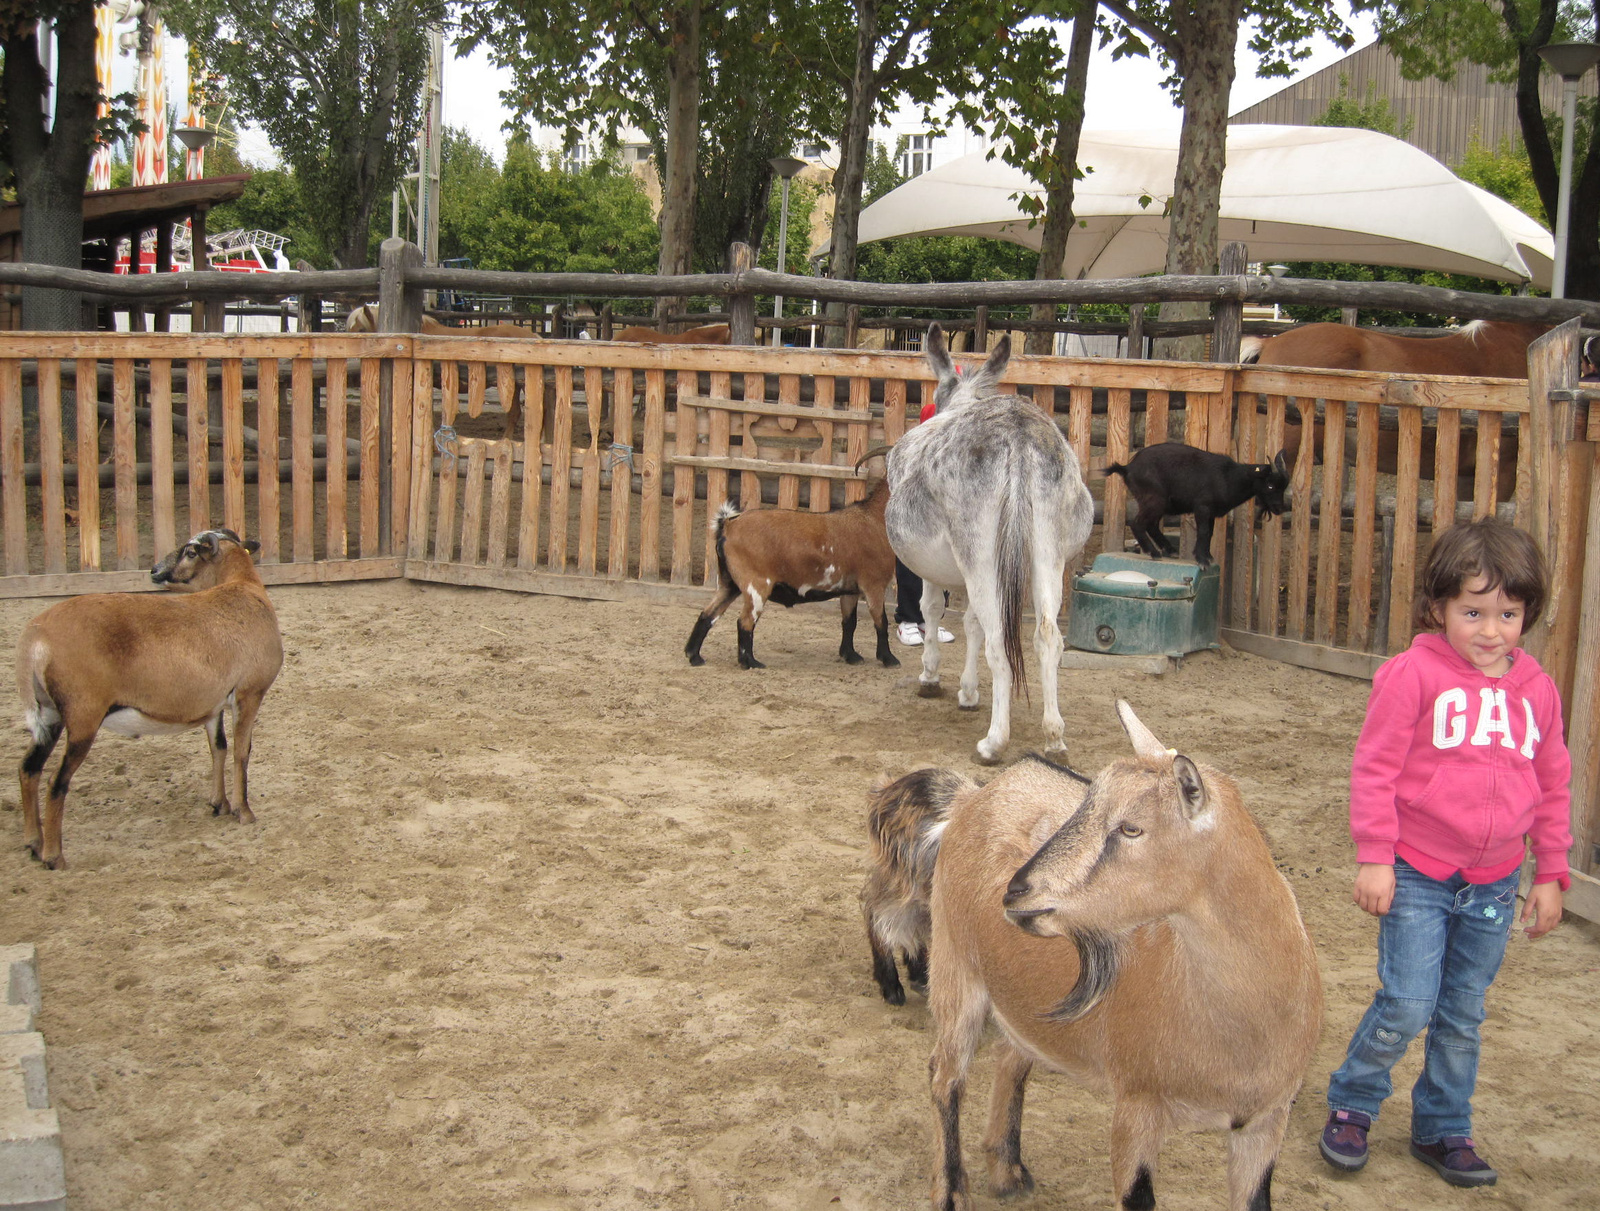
1134, 931
143, 665
789, 556
365, 319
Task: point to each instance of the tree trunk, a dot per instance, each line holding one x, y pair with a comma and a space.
852, 170
51, 166
1207, 32
1530, 111
1583, 228
1058, 219
683, 144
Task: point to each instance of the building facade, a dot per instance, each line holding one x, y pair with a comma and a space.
1445, 118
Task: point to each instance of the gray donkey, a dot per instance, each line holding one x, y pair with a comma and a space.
987, 493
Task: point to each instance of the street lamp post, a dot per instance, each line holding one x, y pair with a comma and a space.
1569, 60
785, 167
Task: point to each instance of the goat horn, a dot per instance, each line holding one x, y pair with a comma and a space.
872, 453
1143, 740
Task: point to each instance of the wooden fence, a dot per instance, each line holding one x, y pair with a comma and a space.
380, 456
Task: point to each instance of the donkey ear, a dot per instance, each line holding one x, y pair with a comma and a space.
1144, 743
1191, 790
938, 356
989, 376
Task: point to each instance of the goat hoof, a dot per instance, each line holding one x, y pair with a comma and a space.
59, 862
696, 661
966, 706
751, 664
891, 662
850, 657
246, 816
985, 759
895, 995
927, 689
217, 809
1011, 1181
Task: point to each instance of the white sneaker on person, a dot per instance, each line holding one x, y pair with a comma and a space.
912, 635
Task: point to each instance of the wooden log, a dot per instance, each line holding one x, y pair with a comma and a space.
1228, 315
741, 305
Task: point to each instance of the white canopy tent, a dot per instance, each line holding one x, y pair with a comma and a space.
1290, 193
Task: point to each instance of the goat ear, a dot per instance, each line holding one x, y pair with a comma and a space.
1191, 789
253, 546
938, 356
1143, 741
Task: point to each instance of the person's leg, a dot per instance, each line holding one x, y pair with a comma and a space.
1480, 924
907, 594
1411, 947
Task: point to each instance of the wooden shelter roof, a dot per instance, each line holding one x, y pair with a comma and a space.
114, 212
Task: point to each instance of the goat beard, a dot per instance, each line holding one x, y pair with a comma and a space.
1099, 961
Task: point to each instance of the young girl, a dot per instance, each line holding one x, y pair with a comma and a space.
1460, 763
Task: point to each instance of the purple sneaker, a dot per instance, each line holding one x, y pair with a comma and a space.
1344, 1140
1455, 1159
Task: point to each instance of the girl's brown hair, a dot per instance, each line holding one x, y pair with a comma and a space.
1505, 556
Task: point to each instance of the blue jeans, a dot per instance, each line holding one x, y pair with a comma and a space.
1439, 948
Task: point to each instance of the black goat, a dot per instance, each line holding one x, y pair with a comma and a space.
1170, 479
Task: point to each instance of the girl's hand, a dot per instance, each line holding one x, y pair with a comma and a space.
1543, 908
1375, 887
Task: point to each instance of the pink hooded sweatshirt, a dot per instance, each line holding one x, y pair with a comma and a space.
1454, 769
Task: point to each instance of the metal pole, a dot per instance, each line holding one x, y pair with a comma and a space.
1569, 115
1569, 60
783, 260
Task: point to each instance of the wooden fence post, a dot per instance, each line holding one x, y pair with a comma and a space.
309, 317
741, 303
399, 310
1227, 317
1136, 331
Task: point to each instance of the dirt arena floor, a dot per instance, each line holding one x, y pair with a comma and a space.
535, 916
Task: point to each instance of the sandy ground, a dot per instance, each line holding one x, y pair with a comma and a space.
537, 916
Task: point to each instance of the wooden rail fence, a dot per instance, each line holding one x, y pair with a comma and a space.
379, 456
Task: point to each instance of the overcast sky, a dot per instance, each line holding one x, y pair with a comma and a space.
1125, 94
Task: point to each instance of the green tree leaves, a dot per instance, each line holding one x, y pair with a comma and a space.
334, 83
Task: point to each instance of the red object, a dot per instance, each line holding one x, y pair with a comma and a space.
927, 411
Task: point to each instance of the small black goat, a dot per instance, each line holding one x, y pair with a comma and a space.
1170, 479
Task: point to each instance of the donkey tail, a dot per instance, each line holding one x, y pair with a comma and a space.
1012, 568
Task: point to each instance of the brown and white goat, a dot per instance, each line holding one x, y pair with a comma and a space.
789, 556
1134, 930
905, 821
143, 665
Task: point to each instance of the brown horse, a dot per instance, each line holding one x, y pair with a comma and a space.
708, 334
1481, 349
